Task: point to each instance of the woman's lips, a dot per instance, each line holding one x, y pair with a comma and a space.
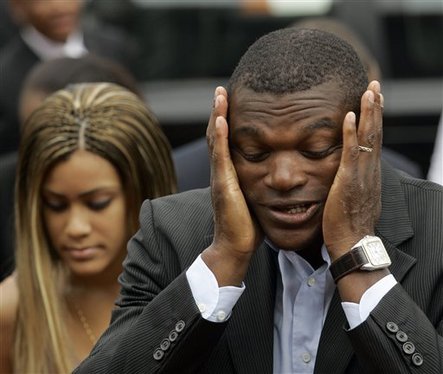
82, 254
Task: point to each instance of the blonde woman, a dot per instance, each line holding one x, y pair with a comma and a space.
88, 158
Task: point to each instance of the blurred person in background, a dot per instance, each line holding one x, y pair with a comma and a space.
89, 156
435, 172
44, 79
49, 29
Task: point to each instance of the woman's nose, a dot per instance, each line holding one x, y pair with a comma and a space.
78, 223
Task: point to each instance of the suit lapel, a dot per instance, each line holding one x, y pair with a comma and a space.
334, 350
394, 227
250, 335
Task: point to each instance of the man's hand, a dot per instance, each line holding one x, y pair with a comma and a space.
354, 201
236, 235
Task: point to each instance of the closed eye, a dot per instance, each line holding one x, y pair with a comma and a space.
256, 156
55, 206
99, 204
321, 154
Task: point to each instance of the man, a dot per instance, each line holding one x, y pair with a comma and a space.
48, 29
271, 279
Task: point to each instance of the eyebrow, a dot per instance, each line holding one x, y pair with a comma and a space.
247, 130
85, 194
324, 123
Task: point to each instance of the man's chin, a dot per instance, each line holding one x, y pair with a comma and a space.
295, 240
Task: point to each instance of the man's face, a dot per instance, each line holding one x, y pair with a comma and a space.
55, 19
286, 150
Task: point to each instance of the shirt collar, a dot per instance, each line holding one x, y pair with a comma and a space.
324, 252
47, 49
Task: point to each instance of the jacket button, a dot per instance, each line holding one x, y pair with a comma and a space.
158, 354
180, 325
165, 344
417, 359
401, 336
173, 336
409, 348
392, 327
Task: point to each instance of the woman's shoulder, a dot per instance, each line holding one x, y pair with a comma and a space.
8, 313
8, 301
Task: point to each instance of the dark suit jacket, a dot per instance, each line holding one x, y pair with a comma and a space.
17, 59
156, 307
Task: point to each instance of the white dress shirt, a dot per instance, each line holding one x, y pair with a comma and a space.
47, 49
303, 296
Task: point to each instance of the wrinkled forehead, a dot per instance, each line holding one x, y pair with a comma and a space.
321, 107
328, 94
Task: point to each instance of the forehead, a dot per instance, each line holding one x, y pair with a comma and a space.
82, 170
319, 107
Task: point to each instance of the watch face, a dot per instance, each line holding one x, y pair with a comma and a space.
376, 253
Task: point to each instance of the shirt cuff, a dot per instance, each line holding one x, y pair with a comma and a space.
215, 304
358, 313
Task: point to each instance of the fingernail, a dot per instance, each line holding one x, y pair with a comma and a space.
351, 116
218, 122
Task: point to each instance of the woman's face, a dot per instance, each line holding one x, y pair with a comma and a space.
85, 214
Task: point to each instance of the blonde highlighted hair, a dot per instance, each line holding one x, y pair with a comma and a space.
109, 121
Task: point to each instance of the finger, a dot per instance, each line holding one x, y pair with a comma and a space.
377, 116
366, 135
222, 169
219, 108
350, 151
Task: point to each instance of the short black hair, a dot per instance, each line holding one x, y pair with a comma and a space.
293, 60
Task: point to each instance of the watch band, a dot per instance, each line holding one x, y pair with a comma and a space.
349, 262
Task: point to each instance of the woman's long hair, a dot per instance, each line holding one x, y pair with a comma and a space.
109, 121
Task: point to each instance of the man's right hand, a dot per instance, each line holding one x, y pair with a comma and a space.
236, 235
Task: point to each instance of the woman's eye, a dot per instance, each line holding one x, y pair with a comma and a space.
99, 204
55, 206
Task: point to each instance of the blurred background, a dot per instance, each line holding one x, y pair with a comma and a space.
187, 48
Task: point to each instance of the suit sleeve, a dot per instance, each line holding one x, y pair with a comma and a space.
157, 327
399, 338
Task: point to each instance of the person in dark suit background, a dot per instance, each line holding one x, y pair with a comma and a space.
43, 79
435, 172
49, 29
307, 254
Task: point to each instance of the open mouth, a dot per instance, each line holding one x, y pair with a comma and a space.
293, 214
301, 208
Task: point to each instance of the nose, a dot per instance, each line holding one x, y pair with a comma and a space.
78, 223
286, 172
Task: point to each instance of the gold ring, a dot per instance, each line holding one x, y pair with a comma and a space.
364, 149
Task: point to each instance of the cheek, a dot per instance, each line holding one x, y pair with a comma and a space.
115, 221
53, 225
